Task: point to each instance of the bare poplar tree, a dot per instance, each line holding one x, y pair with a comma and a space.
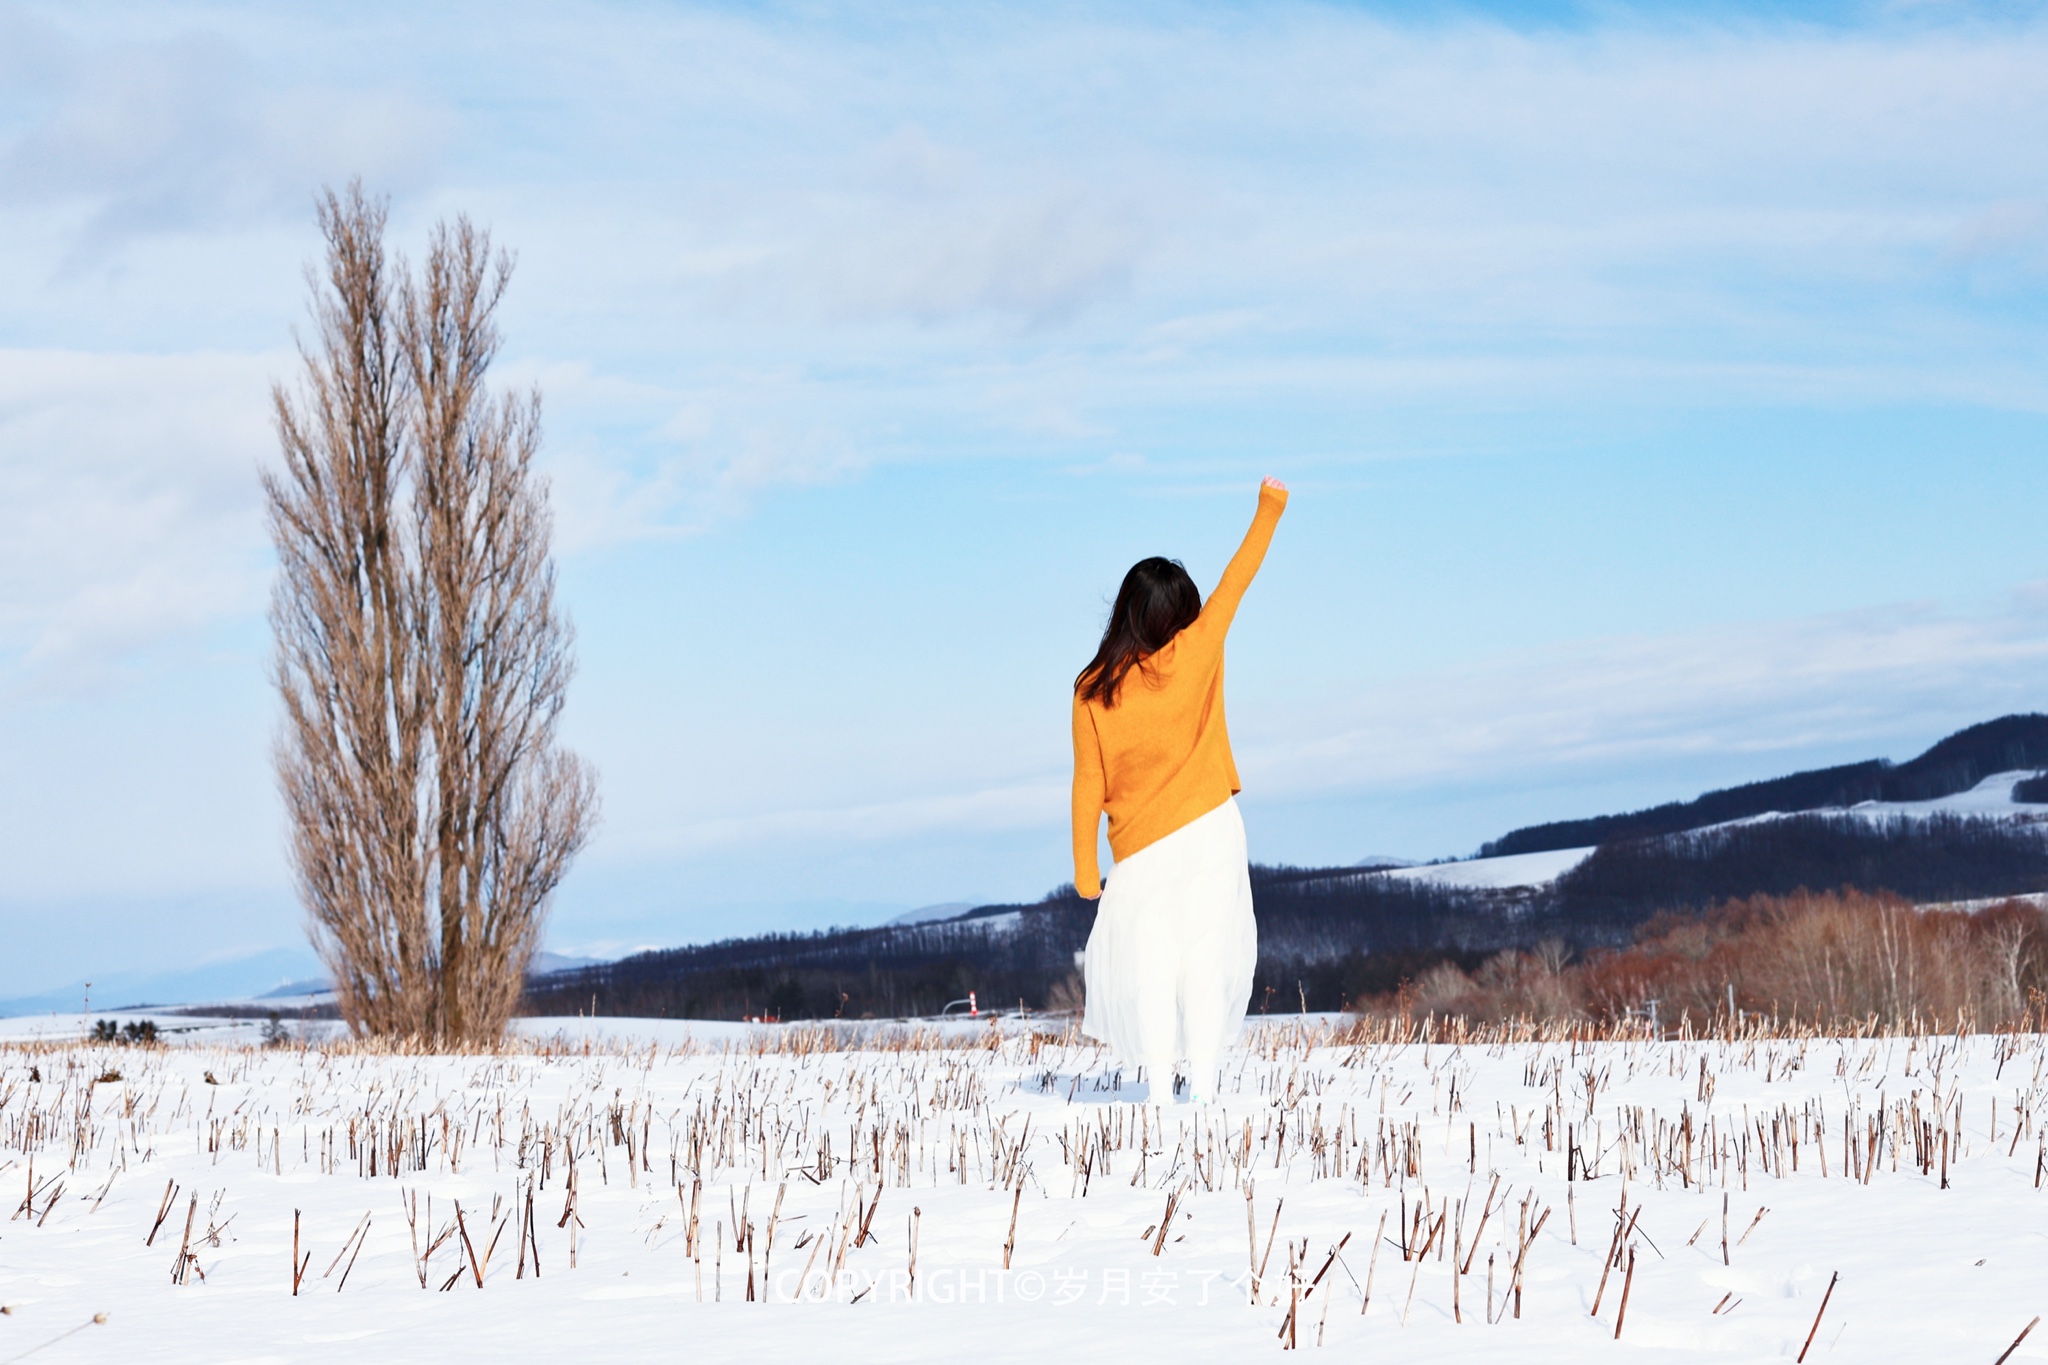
421, 659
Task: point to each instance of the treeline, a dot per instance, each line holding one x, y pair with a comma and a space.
1953, 765
1831, 960
1330, 943
1005, 954
1328, 938
1331, 936
1324, 935
1938, 858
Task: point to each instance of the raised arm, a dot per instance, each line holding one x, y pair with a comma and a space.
1237, 575
1090, 792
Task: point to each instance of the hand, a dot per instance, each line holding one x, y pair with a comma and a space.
1270, 482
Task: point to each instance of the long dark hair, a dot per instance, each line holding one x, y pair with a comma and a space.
1156, 602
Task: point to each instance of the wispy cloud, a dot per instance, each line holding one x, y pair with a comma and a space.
934, 233
1562, 716
128, 504
190, 131
1019, 806
1579, 711
764, 254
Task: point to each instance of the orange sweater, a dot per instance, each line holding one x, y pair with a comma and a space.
1160, 757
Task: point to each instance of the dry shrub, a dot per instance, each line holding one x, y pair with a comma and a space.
1830, 960
1833, 958
1069, 995
1508, 985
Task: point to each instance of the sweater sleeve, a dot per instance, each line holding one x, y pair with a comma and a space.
1237, 575
1090, 793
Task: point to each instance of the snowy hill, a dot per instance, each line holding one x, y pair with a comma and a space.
1493, 874
1991, 798
929, 914
1956, 764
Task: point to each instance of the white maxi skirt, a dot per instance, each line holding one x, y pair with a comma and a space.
1170, 959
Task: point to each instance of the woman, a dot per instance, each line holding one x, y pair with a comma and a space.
1169, 961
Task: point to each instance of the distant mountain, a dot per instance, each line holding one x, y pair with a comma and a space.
545, 963
278, 974
235, 978
1328, 935
1954, 765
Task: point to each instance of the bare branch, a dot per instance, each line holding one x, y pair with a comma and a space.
421, 660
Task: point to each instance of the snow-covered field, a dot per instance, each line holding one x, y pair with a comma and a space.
779, 1194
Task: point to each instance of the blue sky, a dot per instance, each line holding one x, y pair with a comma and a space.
1664, 389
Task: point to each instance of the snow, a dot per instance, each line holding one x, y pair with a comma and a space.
1989, 799
926, 914
1934, 1264
1992, 797
547, 1031
173, 1028
1516, 869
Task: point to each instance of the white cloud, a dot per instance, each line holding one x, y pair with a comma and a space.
2005, 246
189, 131
630, 461
129, 511
1579, 710
1570, 715
1040, 258
1020, 805
1045, 212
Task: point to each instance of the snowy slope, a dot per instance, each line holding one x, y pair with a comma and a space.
1989, 799
1517, 869
927, 914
